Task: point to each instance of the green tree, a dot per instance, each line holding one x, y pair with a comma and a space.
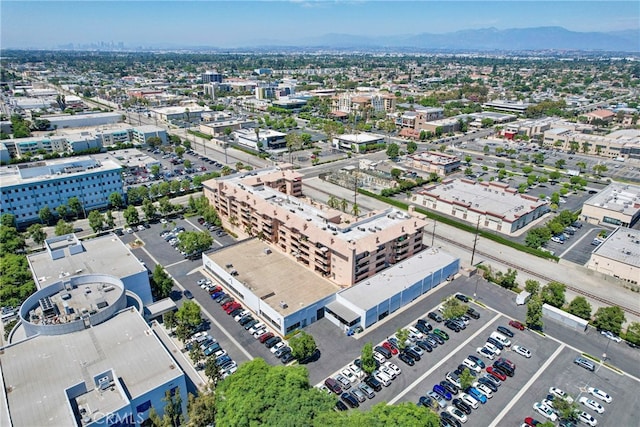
161, 284
534, 313
537, 237
62, 211
633, 333
411, 147
37, 234
165, 206
532, 286
169, 319
63, 227
193, 242
402, 335
149, 209
452, 307
553, 294
115, 200
187, 164
466, 379
8, 220
566, 410
393, 150
202, 409
189, 315
74, 206
154, 141
155, 170
367, 359
212, 371
131, 215
173, 416
197, 355
262, 395
609, 319
109, 219
45, 215
16, 282
302, 345
580, 307
10, 240
96, 221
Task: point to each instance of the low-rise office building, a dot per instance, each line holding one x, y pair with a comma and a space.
617, 204
491, 205
266, 139
64, 121
141, 134
623, 143
434, 162
358, 142
85, 358
28, 187
517, 107
618, 255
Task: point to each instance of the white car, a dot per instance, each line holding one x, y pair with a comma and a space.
380, 358
383, 378
469, 400
587, 419
391, 374
356, 371
561, 394
591, 404
483, 351
256, 328
599, 394
349, 375
521, 351
472, 365
277, 347
259, 332
545, 411
611, 336
492, 348
483, 389
241, 315
457, 414
393, 367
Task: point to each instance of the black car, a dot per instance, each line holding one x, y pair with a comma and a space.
272, 341
463, 297
496, 343
446, 419
249, 324
235, 312
477, 360
383, 351
425, 323
373, 383
435, 317
288, 357
425, 401
340, 406
506, 331
491, 385
425, 346
432, 341
452, 325
358, 363
450, 387
406, 359
412, 354
422, 328
247, 319
461, 369
187, 294
462, 406
503, 368
496, 382
473, 313
350, 400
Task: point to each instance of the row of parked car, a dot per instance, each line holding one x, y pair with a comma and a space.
546, 407
212, 348
259, 330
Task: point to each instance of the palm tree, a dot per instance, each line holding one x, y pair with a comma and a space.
344, 205
333, 202
355, 210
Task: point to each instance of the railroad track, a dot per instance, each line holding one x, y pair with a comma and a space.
629, 310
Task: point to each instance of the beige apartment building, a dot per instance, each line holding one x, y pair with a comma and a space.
269, 204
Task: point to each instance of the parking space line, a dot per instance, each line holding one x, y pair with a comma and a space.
175, 263
574, 244
524, 389
443, 360
214, 321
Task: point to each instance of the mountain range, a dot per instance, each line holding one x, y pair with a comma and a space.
485, 39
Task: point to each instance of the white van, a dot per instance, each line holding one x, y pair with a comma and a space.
501, 339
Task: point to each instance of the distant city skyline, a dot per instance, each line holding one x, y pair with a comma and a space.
51, 24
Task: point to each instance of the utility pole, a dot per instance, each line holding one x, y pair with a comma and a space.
475, 241
433, 234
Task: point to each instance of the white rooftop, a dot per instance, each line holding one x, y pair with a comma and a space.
622, 245
624, 198
32, 172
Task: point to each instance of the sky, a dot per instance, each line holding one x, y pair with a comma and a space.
50, 24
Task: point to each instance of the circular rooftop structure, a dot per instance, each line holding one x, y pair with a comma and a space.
73, 304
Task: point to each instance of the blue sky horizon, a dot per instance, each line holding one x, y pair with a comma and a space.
230, 24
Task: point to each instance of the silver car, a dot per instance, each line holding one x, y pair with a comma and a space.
358, 394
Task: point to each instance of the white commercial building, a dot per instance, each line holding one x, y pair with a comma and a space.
28, 187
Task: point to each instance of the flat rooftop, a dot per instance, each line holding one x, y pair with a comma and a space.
38, 370
274, 277
360, 138
623, 198
35, 172
102, 255
622, 245
393, 280
435, 158
490, 198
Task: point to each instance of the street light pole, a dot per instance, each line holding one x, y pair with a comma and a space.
475, 241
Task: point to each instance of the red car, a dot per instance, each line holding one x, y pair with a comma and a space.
516, 325
265, 337
214, 290
389, 347
227, 304
499, 375
531, 422
232, 307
